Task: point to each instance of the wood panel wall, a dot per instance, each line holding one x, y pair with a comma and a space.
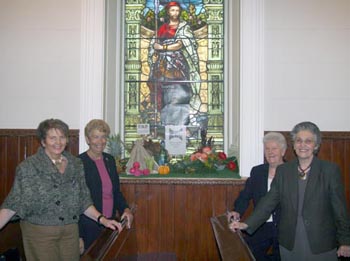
173, 215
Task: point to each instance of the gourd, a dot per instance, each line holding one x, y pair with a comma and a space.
163, 170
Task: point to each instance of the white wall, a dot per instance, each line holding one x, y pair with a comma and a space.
307, 63
39, 62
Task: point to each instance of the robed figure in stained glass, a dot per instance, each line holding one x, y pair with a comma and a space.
174, 79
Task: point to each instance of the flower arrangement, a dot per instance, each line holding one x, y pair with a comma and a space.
205, 160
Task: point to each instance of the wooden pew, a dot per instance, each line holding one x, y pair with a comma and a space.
112, 245
232, 246
11, 240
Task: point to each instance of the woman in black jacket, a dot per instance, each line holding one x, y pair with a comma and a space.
257, 185
103, 181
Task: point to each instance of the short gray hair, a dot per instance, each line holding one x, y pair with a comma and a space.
277, 137
309, 126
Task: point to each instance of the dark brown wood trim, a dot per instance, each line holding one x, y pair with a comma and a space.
184, 181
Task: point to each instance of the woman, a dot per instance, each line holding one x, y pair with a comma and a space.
314, 218
49, 194
103, 181
256, 187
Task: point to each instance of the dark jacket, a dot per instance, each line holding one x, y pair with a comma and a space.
256, 188
325, 215
88, 228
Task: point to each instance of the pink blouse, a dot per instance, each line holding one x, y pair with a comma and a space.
107, 188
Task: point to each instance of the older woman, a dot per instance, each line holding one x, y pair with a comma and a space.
314, 219
49, 194
256, 187
103, 181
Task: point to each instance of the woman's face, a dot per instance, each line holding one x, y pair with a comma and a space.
97, 141
54, 143
304, 144
273, 153
174, 12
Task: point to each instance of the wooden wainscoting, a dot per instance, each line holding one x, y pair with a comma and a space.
173, 215
15, 146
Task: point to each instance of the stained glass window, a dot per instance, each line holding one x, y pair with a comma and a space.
174, 69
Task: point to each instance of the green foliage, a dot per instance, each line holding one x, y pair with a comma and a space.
210, 166
195, 21
115, 146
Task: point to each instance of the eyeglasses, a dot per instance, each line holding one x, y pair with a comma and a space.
306, 141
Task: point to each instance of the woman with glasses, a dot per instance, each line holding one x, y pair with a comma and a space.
314, 222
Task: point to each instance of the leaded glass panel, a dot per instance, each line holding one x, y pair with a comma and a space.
174, 69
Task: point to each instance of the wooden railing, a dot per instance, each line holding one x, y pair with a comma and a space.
232, 246
112, 245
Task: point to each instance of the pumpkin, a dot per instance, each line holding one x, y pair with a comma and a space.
163, 170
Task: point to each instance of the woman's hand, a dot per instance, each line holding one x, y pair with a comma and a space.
343, 250
235, 225
5, 215
128, 216
110, 223
81, 246
92, 213
233, 216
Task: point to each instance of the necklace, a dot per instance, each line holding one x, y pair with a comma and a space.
57, 162
303, 172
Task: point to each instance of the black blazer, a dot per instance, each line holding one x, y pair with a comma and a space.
255, 188
325, 214
94, 183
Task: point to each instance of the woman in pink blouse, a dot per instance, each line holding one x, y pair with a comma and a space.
103, 181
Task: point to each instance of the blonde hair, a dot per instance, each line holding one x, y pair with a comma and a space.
97, 124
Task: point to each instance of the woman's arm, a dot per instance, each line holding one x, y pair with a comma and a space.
5, 215
129, 217
91, 212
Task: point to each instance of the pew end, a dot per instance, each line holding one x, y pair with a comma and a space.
231, 245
